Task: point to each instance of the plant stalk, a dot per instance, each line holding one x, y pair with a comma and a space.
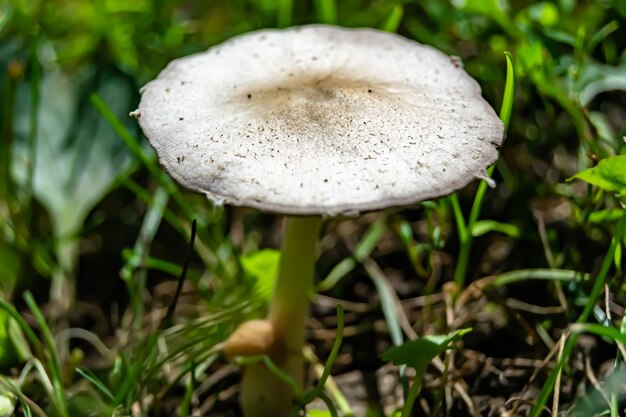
262, 392
63, 282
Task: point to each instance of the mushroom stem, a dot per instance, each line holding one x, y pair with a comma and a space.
290, 304
262, 393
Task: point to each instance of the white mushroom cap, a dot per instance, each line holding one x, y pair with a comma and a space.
320, 120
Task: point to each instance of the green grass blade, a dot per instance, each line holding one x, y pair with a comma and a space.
184, 409
165, 181
363, 250
160, 265
618, 356
607, 332
53, 357
28, 331
95, 381
538, 406
600, 280
177, 223
319, 388
389, 303
392, 22
329, 404
506, 107
134, 272
465, 240
285, 13
130, 142
326, 11
35, 96
25, 402
603, 331
279, 373
539, 274
134, 375
601, 34
460, 271
371, 239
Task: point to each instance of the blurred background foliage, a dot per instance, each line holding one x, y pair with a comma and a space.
91, 225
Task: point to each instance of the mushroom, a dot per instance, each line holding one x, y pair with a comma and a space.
311, 122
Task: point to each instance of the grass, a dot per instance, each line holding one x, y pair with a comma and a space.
534, 266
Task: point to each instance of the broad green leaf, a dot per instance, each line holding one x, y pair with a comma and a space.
593, 402
609, 174
597, 78
601, 123
78, 156
262, 266
419, 352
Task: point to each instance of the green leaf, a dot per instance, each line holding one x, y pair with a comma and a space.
609, 175
593, 402
419, 352
602, 124
597, 78
262, 266
78, 155
91, 377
